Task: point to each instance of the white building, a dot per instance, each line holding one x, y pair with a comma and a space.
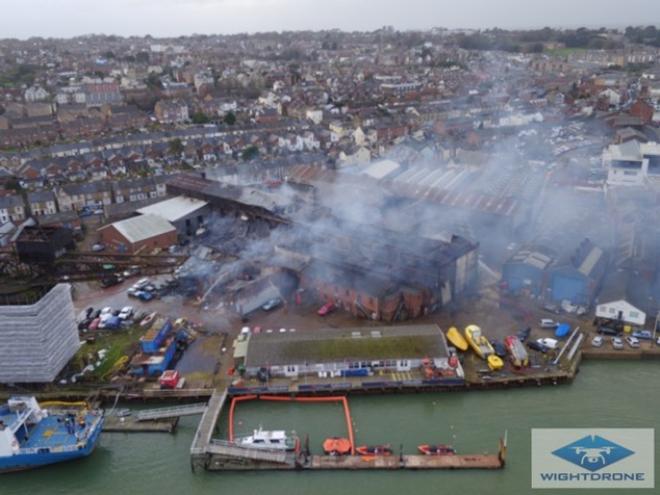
38, 340
35, 93
632, 163
621, 310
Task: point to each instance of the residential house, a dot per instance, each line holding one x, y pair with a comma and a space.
171, 111
42, 203
12, 208
78, 196
131, 190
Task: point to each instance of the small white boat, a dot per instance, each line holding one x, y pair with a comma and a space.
268, 439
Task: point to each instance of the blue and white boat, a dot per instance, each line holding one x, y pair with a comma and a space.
31, 437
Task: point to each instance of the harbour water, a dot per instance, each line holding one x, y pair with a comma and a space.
604, 394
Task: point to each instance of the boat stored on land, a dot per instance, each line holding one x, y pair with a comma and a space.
31, 437
562, 330
268, 439
478, 342
517, 351
495, 362
337, 446
457, 340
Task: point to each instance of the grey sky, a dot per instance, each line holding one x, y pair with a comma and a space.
65, 18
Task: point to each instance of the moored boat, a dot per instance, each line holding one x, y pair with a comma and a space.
337, 446
268, 439
478, 342
457, 340
517, 351
31, 437
374, 450
441, 449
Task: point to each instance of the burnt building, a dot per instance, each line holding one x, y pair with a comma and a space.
43, 244
382, 274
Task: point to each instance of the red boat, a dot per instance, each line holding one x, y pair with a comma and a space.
374, 450
441, 449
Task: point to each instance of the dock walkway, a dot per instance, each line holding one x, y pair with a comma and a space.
171, 412
202, 438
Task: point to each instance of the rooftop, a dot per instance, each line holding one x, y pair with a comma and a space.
346, 344
143, 227
173, 209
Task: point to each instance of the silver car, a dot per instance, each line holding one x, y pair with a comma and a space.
617, 343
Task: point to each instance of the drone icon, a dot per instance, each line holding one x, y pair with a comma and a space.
593, 455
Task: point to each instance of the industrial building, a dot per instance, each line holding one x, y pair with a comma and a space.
359, 351
41, 244
185, 213
38, 340
141, 234
578, 278
526, 272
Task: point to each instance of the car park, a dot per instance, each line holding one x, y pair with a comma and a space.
597, 341
272, 304
633, 342
617, 343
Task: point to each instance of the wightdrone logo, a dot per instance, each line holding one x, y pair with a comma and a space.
593, 458
593, 452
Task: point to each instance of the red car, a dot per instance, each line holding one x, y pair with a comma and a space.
94, 324
326, 309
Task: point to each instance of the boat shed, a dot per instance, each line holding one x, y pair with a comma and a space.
137, 234
526, 271
338, 352
618, 300
579, 278
185, 213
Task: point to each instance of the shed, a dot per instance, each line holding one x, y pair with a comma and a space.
185, 213
579, 278
144, 232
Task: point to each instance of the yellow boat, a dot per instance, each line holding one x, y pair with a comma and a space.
457, 340
495, 362
478, 342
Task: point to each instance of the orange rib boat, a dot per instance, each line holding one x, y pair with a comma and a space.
337, 446
374, 450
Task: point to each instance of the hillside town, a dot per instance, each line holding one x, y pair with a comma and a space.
323, 213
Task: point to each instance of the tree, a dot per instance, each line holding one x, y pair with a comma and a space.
176, 147
200, 118
230, 118
249, 153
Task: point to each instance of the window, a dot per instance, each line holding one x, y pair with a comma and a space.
634, 314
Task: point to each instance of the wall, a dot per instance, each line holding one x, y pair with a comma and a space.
112, 238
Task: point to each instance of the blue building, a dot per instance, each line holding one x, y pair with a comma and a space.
525, 272
579, 278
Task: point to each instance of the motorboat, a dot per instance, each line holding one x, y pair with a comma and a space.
478, 342
456, 339
440, 449
374, 450
268, 439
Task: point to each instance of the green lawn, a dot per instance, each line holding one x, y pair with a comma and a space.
118, 343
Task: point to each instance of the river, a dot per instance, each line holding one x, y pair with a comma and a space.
604, 394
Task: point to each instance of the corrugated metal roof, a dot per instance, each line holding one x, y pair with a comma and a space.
590, 261
143, 227
173, 209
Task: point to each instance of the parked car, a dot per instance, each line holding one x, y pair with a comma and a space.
98, 247
126, 312
326, 309
548, 323
617, 343
110, 281
131, 271
132, 292
523, 334
95, 314
141, 284
143, 295
272, 304
633, 342
548, 342
657, 341
551, 308
643, 334
607, 330
106, 310
94, 324
597, 341
149, 287
533, 344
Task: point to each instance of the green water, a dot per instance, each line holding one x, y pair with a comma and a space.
603, 395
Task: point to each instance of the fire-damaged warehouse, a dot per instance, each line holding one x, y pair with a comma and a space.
391, 273
381, 274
